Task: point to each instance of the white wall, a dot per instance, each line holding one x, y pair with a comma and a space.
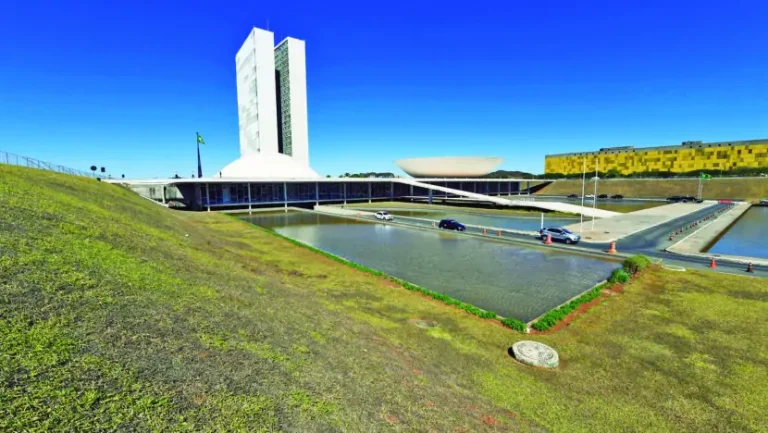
256, 95
298, 84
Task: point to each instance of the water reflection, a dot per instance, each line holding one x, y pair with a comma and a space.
748, 237
513, 281
505, 222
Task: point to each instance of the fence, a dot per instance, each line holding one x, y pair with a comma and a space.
25, 161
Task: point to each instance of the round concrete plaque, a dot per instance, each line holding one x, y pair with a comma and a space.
535, 354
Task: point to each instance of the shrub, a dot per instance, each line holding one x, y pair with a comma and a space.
553, 316
514, 324
636, 264
619, 276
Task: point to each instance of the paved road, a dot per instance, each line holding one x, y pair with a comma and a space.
651, 242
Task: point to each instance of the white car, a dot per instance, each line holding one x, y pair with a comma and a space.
589, 197
383, 215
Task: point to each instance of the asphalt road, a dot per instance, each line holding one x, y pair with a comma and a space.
651, 242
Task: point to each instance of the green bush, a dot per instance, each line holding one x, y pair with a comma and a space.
636, 264
619, 276
552, 317
514, 324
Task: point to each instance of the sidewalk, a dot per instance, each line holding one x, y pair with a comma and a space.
693, 244
613, 229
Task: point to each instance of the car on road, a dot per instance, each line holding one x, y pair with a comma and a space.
603, 196
560, 234
383, 215
681, 198
764, 201
617, 196
589, 197
573, 196
450, 224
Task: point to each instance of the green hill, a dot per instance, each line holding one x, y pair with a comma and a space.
735, 188
117, 314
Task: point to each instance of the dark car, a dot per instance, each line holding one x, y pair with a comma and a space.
603, 196
452, 225
681, 198
573, 196
617, 196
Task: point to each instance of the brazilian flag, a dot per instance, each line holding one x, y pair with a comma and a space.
200, 139
706, 176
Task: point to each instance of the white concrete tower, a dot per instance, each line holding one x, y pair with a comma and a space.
257, 114
291, 80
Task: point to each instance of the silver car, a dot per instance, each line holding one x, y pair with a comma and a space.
560, 234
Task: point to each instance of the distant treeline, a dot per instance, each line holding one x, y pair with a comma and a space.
384, 175
505, 174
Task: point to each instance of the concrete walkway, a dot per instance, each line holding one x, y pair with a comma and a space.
623, 225
337, 210
524, 201
693, 244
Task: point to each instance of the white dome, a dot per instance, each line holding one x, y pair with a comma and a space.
449, 166
267, 165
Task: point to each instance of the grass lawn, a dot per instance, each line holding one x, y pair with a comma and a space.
118, 314
529, 212
750, 189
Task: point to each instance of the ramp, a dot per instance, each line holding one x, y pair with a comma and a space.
549, 206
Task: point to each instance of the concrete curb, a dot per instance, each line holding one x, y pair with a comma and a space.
710, 202
679, 243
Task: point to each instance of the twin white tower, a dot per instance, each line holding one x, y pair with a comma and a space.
272, 97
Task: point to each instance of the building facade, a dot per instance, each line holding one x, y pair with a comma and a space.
690, 156
272, 96
256, 94
291, 83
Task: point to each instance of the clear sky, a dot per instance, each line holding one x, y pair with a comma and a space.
127, 84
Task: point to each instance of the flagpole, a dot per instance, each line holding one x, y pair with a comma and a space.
594, 200
199, 165
583, 179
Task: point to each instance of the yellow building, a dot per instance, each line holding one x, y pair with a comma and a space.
689, 156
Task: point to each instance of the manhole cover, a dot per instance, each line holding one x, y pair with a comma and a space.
535, 354
425, 323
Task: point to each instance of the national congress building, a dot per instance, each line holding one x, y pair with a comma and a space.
271, 109
688, 157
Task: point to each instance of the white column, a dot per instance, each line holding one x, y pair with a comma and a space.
249, 199
207, 197
285, 196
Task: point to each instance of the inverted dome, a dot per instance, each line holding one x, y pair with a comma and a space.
267, 165
449, 166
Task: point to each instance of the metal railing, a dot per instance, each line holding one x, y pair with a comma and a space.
25, 161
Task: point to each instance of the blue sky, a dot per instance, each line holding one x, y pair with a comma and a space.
126, 85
